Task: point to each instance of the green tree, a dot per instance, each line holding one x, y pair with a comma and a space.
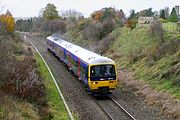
132, 14
173, 16
50, 12
162, 14
147, 12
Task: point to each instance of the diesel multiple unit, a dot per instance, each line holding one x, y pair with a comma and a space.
98, 73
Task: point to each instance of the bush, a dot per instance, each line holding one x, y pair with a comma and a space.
82, 24
156, 29
71, 25
3, 29
163, 20
107, 27
158, 51
23, 81
104, 44
173, 73
20, 77
176, 81
54, 26
131, 24
91, 32
134, 56
178, 26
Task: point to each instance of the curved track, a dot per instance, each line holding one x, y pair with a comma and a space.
85, 106
109, 106
60, 93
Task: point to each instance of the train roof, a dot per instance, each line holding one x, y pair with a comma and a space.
85, 55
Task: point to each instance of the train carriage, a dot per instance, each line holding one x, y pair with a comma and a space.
98, 73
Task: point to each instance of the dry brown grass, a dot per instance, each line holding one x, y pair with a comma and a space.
170, 106
14, 110
22, 90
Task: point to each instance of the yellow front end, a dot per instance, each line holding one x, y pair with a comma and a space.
96, 85
103, 84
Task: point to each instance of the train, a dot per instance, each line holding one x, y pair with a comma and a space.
97, 73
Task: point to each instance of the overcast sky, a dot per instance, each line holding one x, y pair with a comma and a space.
31, 8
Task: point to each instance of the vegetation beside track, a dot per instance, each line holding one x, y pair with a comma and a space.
20, 95
56, 105
27, 90
153, 61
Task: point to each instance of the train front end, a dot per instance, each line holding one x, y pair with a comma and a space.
102, 79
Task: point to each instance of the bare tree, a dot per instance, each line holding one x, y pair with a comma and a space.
91, 33
2, 6
72, 15
166, 9
156, 29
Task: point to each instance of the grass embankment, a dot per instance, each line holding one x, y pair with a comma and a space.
16, 82
12, 109
156, 63
24, 98
56, 105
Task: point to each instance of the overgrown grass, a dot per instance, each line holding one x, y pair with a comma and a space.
131, 44
12, 109
135, 49
56, 106
17, 83
170, 27
143, 53
157, 76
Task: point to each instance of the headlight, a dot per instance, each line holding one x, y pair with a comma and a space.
94, 83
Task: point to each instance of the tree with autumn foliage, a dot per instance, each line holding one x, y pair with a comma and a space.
8, 20
98, 15
131, 23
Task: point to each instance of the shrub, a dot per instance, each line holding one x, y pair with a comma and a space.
158, 51
3, 29
54, 26
104, 44
178, 26
134, 56
91, 32
157, 30
71, 25
163, 20
173, 73
20, 77
23, 81
82, 24
176, 81
107, 27
131, 24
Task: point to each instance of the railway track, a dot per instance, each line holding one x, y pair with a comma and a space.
109, 106
86, 106
55, 82
113, 109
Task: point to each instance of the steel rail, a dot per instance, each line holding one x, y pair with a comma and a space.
59, 91
122, 108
